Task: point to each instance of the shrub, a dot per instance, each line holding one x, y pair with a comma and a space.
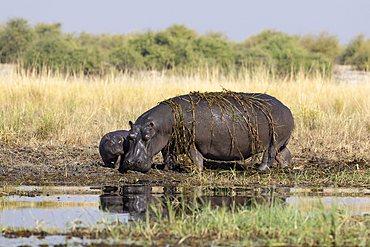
48, 30
57, 53
182, 32
214, 51
322, 43
126, 59
176, 47
357, 53
15, 37
282, 53
361, 58
252, 57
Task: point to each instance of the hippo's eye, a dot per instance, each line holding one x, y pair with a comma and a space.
146, 137
131, 136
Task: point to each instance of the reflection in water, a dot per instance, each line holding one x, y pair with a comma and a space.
136, 200
72, 207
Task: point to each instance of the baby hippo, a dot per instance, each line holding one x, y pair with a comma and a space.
111, 148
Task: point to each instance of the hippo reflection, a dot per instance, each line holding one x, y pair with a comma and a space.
137, 200
132, 200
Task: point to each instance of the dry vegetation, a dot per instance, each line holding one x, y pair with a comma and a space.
331, 120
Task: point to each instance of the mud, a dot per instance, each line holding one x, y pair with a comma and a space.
70, 166
82, 166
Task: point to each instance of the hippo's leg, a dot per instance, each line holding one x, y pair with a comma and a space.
118, 163
107, 161
197, 157
284, 157
169, 159
268, 158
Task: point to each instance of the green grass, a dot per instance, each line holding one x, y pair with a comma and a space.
271, 224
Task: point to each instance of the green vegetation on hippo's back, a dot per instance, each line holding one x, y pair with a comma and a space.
184, 134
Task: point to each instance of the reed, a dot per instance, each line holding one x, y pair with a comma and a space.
331, 119
271, 223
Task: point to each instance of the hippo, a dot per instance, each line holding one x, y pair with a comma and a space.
111, 148
225, 126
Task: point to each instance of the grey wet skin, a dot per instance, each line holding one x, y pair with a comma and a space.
213, 130
112, 148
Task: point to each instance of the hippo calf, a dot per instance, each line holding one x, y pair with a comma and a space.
224, 126
111, 148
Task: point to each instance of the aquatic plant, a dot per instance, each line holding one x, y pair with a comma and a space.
183, 135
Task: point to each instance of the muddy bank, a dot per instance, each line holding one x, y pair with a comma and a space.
69, 166
82, 166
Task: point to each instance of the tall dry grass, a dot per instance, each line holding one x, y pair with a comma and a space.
331, 119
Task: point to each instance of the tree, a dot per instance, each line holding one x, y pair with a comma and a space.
323, 43
15, 37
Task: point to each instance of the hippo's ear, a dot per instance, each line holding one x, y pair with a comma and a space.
151, 125
107, 137
130, 123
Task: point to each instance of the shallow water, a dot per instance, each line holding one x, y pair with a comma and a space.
69, 207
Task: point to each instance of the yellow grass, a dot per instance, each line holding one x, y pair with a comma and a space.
332, 119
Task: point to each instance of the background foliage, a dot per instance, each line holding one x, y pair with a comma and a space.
176, 48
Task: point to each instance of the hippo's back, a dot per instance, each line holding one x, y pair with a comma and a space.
231, 126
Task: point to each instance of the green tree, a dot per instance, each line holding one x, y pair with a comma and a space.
15, 38
126, 59
182, 32
252, 57
357, 53
59, 53
48, 30
322, 43
214, 51
282, 53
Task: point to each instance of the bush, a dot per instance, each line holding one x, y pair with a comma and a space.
15, 38
357, 53
176, 48
48, 30
214, 51
126, 59
252, 57
59, 54
282, 53
323, 43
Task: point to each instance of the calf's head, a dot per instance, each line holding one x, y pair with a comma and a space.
139, 151
114, 144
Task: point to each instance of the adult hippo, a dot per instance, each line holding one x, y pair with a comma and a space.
111, 148
219, 126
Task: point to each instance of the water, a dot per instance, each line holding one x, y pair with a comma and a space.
66, 208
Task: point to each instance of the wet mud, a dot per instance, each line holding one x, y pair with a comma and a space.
82, 166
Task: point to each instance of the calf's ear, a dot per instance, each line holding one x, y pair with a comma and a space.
130, 123
107, 137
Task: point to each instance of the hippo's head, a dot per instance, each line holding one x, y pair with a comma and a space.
139, 151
